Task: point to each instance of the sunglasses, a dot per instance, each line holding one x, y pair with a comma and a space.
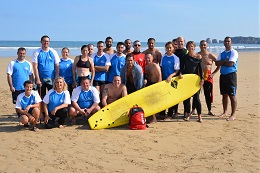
137, 45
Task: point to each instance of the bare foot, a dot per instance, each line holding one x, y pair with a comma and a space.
231, 118
222, 115
61, 126
167, 118
152, 122
200, 119
186, 118
210, 113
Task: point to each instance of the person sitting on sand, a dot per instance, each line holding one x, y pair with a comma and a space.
55, 103
227, 60
153, 75
28, 106
113, 91
84, 100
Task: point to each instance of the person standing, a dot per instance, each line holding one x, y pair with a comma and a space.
152, 76
170, 66
45, 61
101, 65
139, 57
109, 43
66, 65
132, 75
128, 46
227, 60
83, 67
117, 61
91, 50
18, 71
208, 59
192, 64
151, 49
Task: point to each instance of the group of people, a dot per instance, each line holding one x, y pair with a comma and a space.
95, 79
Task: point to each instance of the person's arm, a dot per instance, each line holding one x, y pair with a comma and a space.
64, 105
89, 110
101, 68
105, 95
74, 68
45, 109
10, 83
169, 78
92, 70
57, 69
124, 91
36, 73
159, 55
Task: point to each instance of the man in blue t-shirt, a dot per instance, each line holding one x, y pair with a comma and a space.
117, 61
227, 60
84, 100
45, 61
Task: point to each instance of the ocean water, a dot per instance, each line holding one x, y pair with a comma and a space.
9, 48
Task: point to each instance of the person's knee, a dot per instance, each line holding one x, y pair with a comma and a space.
24, 119
72, 112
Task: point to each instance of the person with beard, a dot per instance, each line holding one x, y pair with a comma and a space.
109, 43
132, 75
18, 71
151, 49
139, 57
128, 46
117, 61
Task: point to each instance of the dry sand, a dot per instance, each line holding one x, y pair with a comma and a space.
177, 146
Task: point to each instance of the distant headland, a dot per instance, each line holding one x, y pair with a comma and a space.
238, 40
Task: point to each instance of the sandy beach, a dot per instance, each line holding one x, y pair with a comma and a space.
215, 145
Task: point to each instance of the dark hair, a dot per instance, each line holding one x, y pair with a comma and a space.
99, 42
27, 82
45, 36
84, 78
228, 38
127, 40
65, 48
150, 39
21, 49
190, 42
175, 39
202, 41
90, 45
109, 38
84, 46
129, 55
169, 42
120, 44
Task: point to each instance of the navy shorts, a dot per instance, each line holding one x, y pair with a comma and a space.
99, 83
29, 111
15, 95
228, 84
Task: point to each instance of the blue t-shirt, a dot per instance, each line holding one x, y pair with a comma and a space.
46, 61
102, 60
20, 72
117, 62
85, 99
23, 101
66, 70
54, 99
231, 55
169, 65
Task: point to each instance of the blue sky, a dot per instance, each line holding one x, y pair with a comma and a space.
84, 20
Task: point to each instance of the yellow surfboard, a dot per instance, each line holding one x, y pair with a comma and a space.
152, 99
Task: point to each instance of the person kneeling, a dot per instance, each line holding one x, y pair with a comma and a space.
84, 100
27, 106
55, 104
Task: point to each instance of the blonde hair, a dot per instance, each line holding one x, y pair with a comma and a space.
65, 87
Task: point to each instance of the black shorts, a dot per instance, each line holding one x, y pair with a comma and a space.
228, 84
99, 83
30, 112
15, 95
